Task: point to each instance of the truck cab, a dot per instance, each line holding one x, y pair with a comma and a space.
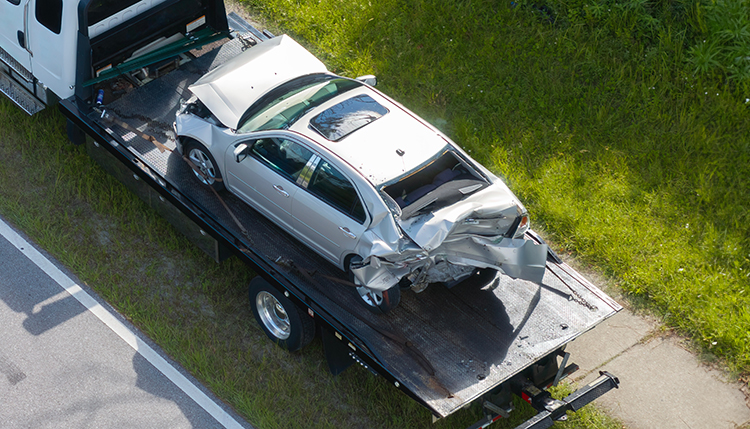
56, 49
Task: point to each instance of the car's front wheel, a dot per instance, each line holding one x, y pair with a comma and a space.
379, 302
203, 164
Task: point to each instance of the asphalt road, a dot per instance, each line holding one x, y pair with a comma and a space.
67, 360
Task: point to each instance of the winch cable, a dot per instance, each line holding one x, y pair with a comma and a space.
162, 148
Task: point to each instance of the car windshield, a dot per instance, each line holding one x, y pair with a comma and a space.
445, 180
280, 108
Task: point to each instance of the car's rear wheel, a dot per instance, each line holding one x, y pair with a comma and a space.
379, 302
203, 164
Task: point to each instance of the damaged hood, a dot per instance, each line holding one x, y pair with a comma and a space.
229, 90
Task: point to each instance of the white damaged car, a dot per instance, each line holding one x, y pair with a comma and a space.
352, 174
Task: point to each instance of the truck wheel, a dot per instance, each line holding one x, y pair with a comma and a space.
282, 321
379, 302
201, 159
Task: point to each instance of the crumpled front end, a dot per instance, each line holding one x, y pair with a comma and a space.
449, 245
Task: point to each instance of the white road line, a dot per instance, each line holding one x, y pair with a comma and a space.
119, 328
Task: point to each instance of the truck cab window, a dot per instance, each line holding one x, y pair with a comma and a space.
49, 14
102, 9
15, 2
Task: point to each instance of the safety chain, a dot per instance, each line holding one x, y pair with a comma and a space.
575, 296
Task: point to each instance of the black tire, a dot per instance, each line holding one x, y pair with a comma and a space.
378, 302
201, 158
283, 322
384, 301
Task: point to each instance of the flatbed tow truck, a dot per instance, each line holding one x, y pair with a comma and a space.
445, 348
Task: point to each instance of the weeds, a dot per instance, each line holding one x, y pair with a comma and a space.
612, 120
626, 138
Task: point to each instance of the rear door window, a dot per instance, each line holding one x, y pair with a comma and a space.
330, 185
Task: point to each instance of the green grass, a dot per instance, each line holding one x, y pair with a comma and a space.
625, 136
625, 154
195, 309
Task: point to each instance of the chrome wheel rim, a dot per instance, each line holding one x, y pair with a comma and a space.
273, 315
204, 164
371, 297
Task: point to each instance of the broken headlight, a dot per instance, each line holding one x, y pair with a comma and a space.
523, 226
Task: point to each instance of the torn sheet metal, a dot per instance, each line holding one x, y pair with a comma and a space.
449, 244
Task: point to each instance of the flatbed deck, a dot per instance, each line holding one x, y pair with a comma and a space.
446, 347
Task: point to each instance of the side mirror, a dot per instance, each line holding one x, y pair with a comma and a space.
369, 79
241, 152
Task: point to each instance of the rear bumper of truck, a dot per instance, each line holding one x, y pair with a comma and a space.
552, 410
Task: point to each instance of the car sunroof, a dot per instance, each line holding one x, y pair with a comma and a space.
340, 120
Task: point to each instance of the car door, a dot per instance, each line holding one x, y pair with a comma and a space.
265, 175
328, 212
14, 31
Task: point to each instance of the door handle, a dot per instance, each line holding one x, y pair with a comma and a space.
347, 233
281, 190
23, 36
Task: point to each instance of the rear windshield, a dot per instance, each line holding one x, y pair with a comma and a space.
437, 184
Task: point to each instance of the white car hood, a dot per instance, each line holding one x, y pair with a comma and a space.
230, 89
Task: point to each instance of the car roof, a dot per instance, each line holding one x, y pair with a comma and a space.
230, 89
384, 149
